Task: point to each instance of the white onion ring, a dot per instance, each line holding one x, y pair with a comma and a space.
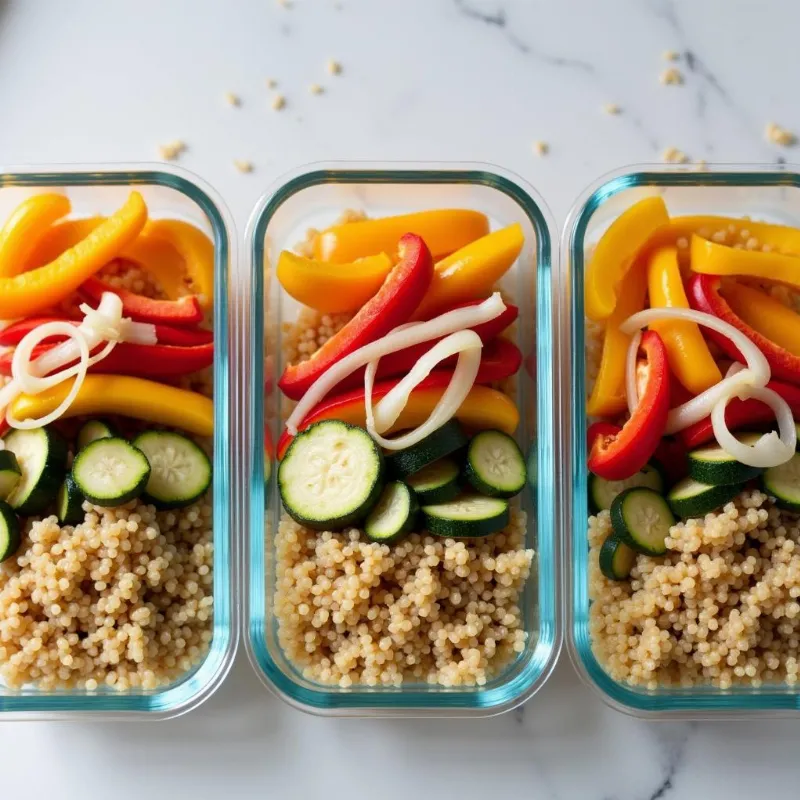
770, 450
468, 345
443, 325
27, 374
630, 371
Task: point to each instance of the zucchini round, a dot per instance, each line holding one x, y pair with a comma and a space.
42, 457
331, 475
602, 492
690, 498
495, 464
616, 558
111, 471
783, 483
642, 519
468, 516
443, 441
92, 430
394, 515
714, 466
9, 531
10, 473
436, 483
69, 502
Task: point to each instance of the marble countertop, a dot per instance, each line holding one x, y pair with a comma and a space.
475, 80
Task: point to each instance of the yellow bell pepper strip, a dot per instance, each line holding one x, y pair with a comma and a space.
18, 236
616, 252
689, 357
129, 396
482, 408
33, 292
471, 272
194, 247
608, 397
332, 289
710, 258
57, 239
444, 231
765, 314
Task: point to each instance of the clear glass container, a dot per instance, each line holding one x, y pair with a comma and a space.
174, 193
766, 193
314, 197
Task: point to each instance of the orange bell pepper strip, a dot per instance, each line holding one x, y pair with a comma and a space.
194, 247
710, 258
471, 272
764, 314
33, 292
482, 408
444, 231
608, 397
689, 357
332, 289
615, 254
57, 239
121, 394
18, 236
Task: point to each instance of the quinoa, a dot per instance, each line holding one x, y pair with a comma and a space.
124, 599
425, 609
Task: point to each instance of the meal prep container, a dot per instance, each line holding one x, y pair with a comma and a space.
314, 197
766, 193
175, 193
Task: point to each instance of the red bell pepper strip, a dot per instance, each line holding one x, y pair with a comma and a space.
619, 456
142, 360
741, 414
600, 429
165, 334
184, 311
393, 305
704, 295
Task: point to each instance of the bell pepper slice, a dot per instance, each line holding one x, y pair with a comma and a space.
194, 247
332, 290
185, 311
165, 334
710, 258
619, 456
704, 295
482, 408
22, 229
600, 429
145, 360
472, 271
689, 357
131, 397
59, 238
608, 393
615, 254
33, 292
396, 300
743, 414
444, 231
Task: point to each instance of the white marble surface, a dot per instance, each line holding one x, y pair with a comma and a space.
443, 79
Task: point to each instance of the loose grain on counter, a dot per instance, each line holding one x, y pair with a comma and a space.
442, 611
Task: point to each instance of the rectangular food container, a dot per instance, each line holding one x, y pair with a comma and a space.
168, 192
313, 197
766, 193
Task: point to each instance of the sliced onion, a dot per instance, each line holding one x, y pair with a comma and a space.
630, 371
27, 374
137, 332
770, 450
468, 345
27, 424
443, 325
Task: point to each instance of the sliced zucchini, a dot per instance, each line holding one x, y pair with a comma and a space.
443, 441
394, 515
69, 502
111, 471
603, 492
331, 475
180, 471
10, 473
783, 483
92, 430
616, 558
642, 519
713, 465
9, 531
690, 498
42, 456
436, 483
495, 464
467, 516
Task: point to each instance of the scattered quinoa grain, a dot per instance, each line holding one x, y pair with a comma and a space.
271, 83
612, 108
315, 88
777, 135
672, 155
172, 150
232, 99
243, 166
670, 55
278, 102
671, 76
334, 67
541, 148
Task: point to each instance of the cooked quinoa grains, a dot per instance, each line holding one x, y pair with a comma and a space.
671, 76
426, 609
778, 135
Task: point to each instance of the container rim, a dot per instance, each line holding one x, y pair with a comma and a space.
365, 703
688, 704
190, 691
